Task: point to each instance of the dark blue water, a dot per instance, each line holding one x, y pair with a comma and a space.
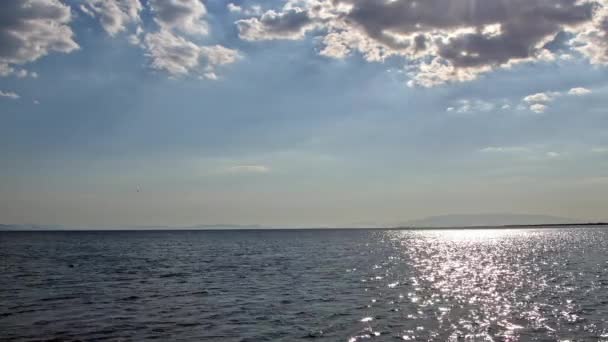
458, 285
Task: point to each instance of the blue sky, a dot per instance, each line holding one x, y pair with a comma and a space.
300, 112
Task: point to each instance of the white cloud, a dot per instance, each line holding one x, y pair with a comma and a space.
234, 8
291, 24
183, 15
249, 11
471, 106
599, 150
9, 94
7, 70
177, 56
538, 108
85, 9
475, 106
579, 91
249, 169
540, 97
114, 15
21, 73
32, 29
592, 38
219, 55
444, 40
434, 73
136, 37
505, 149
539, 102
210, 76
529, 153
172, 53
171, 49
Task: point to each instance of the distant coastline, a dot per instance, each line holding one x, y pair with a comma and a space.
40, 228
506, 226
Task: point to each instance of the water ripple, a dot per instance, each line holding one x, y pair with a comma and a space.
460, 285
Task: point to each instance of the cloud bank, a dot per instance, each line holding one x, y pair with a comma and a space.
438, 41
32, 29
442, 40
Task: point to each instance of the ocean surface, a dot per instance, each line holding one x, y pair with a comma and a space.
350, 285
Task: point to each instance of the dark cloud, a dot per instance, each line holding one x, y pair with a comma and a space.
462, 37
523, 25
521, 35
291, 21
420, 42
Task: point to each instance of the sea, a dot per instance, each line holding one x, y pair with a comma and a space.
535, 284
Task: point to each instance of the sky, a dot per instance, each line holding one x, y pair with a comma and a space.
301, 112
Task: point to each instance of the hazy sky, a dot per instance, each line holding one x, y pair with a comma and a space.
303, 112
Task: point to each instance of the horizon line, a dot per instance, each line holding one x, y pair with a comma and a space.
39, 228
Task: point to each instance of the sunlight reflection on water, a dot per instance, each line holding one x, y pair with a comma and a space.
462, 235
486, 285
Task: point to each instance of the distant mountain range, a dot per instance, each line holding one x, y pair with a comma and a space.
60, 227
456, 220
29, 227
471, 220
